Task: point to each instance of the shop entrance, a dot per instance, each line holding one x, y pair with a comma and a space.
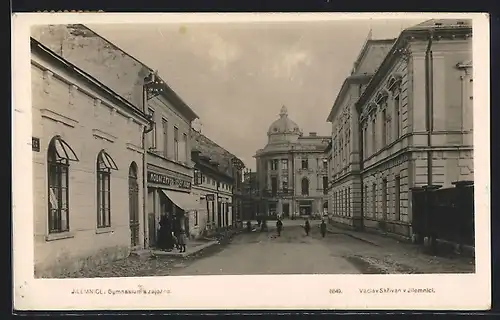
305, 208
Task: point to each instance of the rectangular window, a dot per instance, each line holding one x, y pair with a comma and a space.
384, 199
325, 184
384, 128
285, 184
184, 148
208, 212
274, 186
274, 164
374, 134
365, 202
58, 197
284, 164
196, 217
374, 201
365, 138
176, 144
213, 211
397, 121
165, 137
397, 194
152, 134
305, 164
346, 208
103, 199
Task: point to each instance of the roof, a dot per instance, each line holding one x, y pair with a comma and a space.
365, 47
434, 26
211, 150
361, 78
41, 49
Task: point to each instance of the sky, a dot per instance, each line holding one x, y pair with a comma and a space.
237, 76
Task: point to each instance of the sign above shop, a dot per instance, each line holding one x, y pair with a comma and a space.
154, 177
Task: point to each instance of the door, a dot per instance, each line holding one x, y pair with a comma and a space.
286, 209
219, 214
133, 196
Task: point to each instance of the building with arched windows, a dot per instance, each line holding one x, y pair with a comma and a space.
87, 167
292, 171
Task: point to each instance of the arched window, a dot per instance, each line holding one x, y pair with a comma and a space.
305, 186
59, 154
104, 166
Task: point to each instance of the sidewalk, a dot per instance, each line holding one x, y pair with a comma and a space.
192, 247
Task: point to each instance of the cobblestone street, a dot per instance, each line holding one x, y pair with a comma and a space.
339, 252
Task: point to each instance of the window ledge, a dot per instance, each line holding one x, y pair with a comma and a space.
59, 236
104, 230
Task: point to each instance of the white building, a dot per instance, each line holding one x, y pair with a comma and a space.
87, 167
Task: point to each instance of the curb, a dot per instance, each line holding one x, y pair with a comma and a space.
161, 254
352, 236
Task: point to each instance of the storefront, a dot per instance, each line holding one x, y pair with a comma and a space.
169, 194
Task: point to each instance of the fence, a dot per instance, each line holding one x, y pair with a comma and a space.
445, 214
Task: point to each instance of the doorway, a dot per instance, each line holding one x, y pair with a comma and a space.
286, 210
133, 196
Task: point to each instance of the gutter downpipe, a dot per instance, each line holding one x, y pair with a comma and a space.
429, 97
145, 131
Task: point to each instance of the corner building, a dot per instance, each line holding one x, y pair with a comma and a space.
415, 122
292, 171
87, 167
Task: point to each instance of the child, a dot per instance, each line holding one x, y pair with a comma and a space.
182, 240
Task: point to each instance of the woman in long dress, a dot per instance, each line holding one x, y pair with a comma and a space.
182, 239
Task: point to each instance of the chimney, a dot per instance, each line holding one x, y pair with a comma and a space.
313, 134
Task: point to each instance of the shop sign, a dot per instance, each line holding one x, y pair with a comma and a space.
210, 197
154, 177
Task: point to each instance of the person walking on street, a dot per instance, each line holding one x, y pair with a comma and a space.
323, 228
182, 239
307, 227
279, 226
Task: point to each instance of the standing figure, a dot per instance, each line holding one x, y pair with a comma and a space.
182, 239
164, 241
279, 226
323, 228
307, 227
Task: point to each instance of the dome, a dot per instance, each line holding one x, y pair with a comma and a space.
283, 125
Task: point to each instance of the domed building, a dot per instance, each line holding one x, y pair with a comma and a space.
292, 170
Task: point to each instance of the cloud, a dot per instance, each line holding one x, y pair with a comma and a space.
289, 63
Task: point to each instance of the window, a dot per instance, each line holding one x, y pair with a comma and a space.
274, 186
164, 123
196, 217
384, 128
365, 201
325, 164
374, 134
285, 184
59, 154
374, 200
176, 144
384, 199
305, 164
365, 137
325, 184
397, 120
346, 208
184, 148
204, 179
104, 166
397, 204
284, 164
152, 134
305, 186
274, 164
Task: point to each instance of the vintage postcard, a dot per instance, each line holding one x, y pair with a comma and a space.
251, 161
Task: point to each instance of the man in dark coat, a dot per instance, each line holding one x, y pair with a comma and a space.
279, 226
307, 227
323, 228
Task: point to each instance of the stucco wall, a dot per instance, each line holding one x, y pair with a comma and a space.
87, 122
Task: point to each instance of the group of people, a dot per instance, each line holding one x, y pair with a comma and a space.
307, 227
170, 236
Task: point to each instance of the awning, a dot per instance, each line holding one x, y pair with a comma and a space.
63, 150
185, 201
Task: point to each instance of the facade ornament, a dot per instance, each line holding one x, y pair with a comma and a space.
404, 52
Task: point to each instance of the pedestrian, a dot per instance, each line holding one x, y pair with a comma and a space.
279, 226
307, 227
164, 234
323, 228
182, 239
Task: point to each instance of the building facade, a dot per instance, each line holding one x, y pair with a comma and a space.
343, 152
218, 176
292, 170
251, 199
87, 166
415, 122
